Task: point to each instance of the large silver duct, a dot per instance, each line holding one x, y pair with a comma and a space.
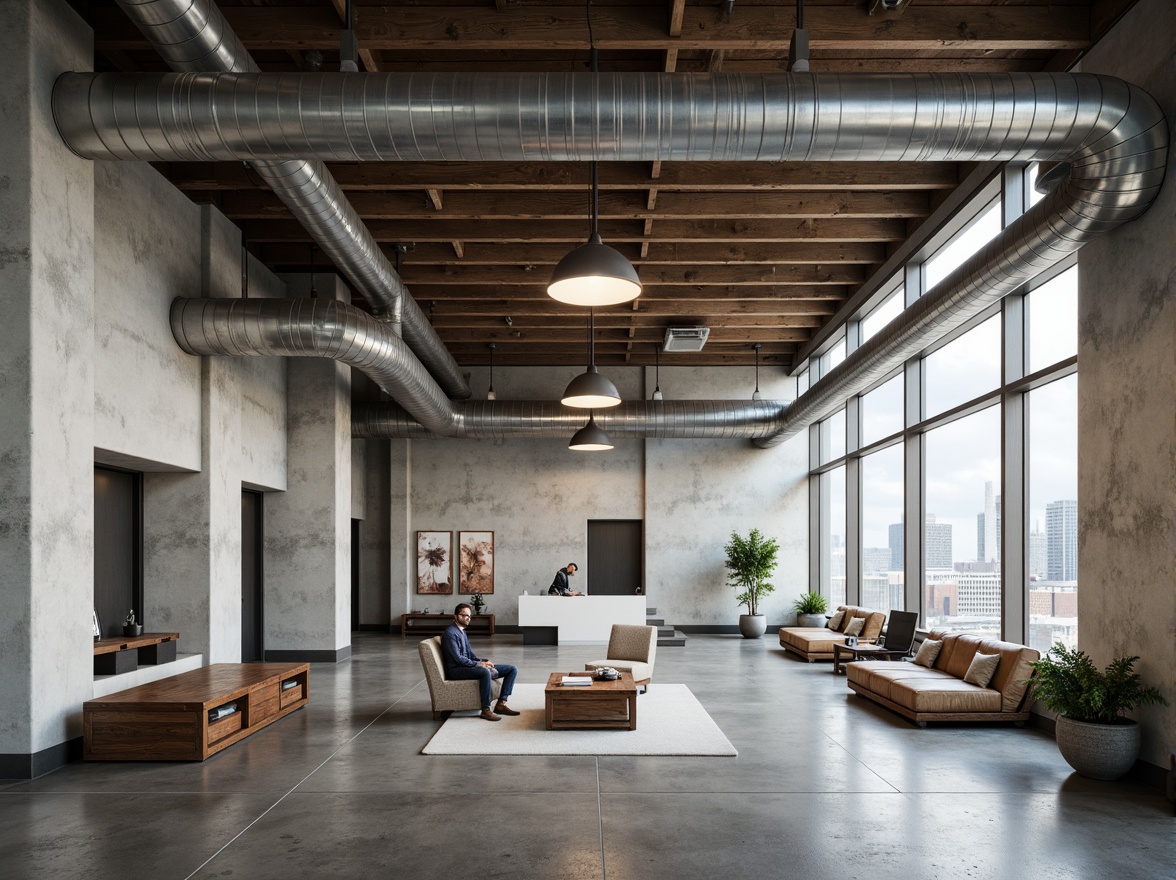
1111, 135
331, 329
192, 35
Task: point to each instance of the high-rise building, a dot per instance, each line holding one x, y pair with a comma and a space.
988, 527
875, 560
896, 554
1037, 552
1061, 540
938, 544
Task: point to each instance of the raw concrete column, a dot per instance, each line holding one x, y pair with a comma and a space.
1127, 405
308, 527
46, 395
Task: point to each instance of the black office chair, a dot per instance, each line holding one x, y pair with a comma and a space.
900, 633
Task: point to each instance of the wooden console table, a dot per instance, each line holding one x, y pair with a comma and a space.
432, 624
113, 656
176, 719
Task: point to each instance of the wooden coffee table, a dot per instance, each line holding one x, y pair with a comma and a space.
602, 705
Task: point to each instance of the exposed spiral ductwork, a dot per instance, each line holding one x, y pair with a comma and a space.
331, 329
192, 35
1111, 135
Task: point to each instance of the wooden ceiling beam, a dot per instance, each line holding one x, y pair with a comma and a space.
637, 28
533, 205
548, 176
500, 300
651, 276
520, 231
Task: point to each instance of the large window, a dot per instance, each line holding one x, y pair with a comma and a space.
881, 411
1052, 565
961, 537
947, 259
935, 438
882, 529
833, 564
965, 368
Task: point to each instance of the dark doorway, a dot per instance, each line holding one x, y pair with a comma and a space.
614, 557
355, 523
118, 546
252, 574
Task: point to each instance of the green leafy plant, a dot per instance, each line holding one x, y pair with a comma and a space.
750, 562
1068, 683
810, 603
478, 602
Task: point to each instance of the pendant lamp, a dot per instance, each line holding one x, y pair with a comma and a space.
755, 395
657, 394
591, 390
490, 395
590, 438
594, 274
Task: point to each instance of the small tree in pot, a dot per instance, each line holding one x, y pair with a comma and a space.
750, 562
810, 610
1092, 734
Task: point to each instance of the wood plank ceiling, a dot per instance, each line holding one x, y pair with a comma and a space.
758, 252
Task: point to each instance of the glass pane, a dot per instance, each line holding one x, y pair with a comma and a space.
802, 383
833, 569
965, 368
953, 255
1053, 320
833, 437
833, 357
961, 538
881, 411
1052, 567
881, 517
1031, 174
889, 309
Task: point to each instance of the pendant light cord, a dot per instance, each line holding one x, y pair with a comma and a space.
594, 67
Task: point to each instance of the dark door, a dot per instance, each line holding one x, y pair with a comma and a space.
118, 567
251, 575
355, 575
614, 557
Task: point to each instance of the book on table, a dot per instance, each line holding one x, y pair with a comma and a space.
576, 680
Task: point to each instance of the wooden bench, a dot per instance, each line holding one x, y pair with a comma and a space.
175, 719
433, 624
114, 656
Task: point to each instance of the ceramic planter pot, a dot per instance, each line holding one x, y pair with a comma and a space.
810, 620
1099, 751
752, 626
132, 629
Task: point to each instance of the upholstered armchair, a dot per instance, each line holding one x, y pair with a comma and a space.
449, 696
630, 649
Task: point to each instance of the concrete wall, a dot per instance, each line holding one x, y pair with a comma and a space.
537, 497
46, 393
1127, 406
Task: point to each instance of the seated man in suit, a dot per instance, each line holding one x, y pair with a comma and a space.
462, 663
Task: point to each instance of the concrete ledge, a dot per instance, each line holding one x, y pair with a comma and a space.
105, 685
18, 766
310, 656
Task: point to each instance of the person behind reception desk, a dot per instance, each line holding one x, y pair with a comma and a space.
462, 663
560, 586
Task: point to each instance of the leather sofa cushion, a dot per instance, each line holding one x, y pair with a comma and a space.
811, 640
878, 677
941, 694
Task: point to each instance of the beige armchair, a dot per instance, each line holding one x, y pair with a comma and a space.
449, 696
630, 649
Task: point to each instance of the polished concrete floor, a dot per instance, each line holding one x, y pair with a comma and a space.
826, 785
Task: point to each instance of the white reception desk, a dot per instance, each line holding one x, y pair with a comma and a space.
583, 620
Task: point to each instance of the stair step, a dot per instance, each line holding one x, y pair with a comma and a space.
677, 641
665, 632
654, 621
650, 612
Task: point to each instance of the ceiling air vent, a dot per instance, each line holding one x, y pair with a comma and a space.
685, 338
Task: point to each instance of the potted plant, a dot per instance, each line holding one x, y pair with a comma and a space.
478, 602
750, 561
1092, 734
131, 627
810, 610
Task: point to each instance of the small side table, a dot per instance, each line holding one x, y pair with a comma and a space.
843, 654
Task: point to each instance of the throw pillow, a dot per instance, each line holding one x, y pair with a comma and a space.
855, 626
835, 621
981, 669
928, 651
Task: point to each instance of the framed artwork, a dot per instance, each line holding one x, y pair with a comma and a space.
435, 562
476, 562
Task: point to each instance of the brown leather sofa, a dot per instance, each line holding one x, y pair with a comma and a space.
816, 642
939, 693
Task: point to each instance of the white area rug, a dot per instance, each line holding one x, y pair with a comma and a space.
670, 721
